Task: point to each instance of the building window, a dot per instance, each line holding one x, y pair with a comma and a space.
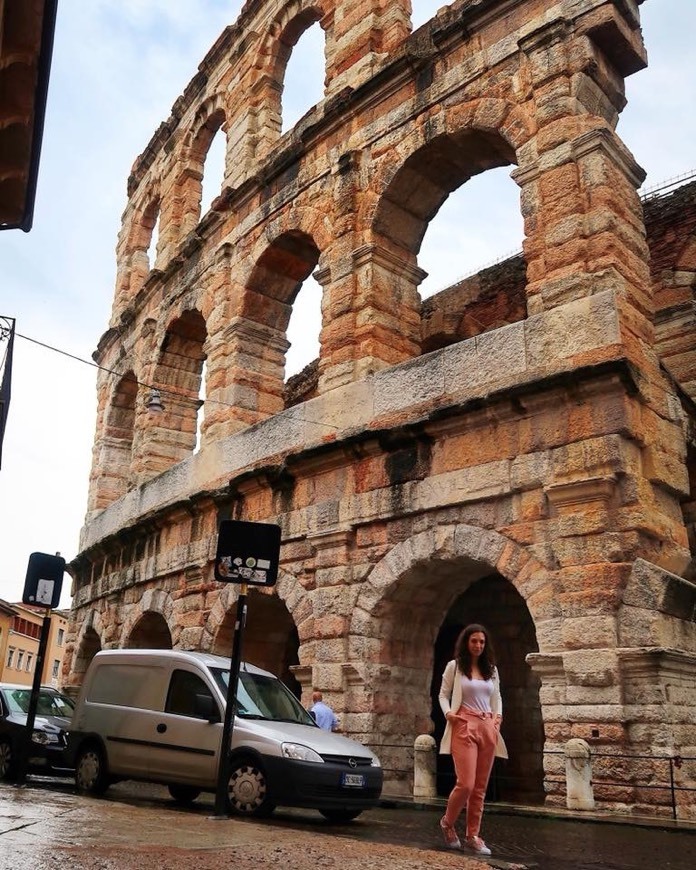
20, 659
30, 659
61, 635
10, 657
56, 668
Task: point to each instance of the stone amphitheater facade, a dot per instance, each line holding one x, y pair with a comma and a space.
518, 450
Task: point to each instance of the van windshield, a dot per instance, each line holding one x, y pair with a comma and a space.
260, 697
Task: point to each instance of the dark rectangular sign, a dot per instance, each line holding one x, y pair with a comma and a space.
44, 580
247, 553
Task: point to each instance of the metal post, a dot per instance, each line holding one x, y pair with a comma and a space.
33, 702
222, 804
671, 786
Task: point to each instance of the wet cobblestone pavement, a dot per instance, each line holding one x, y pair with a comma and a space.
46, 826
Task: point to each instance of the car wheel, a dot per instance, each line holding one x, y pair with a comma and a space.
184, 794
8, 766
90, 771
248, 789
340, 816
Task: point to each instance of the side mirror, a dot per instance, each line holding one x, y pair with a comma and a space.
205, 708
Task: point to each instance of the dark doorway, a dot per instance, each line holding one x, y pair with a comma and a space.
494, 602
270, 638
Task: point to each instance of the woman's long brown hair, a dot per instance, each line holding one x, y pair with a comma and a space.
486, 662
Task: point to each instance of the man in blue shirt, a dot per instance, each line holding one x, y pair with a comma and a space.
323, 715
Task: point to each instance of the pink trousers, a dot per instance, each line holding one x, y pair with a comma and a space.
474, 738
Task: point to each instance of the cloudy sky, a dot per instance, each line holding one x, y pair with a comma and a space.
118, 66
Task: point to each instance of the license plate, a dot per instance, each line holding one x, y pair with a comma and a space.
353, 780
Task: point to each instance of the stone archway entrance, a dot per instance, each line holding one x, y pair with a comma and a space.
270, 637
494, 602
149, 632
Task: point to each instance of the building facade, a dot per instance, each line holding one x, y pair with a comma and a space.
20, 632
518, 450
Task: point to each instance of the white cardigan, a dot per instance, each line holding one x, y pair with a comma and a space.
451, 699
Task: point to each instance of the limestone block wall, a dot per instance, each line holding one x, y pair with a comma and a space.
536, 474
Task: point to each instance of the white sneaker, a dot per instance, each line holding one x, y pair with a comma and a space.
477, 845
450, 835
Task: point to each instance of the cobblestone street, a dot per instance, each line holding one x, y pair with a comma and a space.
46, 826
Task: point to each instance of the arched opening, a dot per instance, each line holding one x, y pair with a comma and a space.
495, 603
179, 377
478, 225
118, 439
89, 647
304, 327
270, 638
482, 221
303, 55
414, 624
149, 632
208, 158
151, 228
269, 299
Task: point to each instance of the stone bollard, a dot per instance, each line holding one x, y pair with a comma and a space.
424, 767
579, 794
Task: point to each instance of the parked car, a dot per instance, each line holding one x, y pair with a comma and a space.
48, 743
156, 715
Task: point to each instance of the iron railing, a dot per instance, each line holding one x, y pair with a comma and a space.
673, 763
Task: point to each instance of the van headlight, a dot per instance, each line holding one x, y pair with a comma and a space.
375, 762
298, 752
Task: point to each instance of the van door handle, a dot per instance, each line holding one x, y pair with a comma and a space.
161, 728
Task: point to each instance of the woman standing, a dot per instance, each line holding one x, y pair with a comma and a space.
470, 699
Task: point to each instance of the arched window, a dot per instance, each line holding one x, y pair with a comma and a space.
118, 439
151, 222
179, 377
260, 338
213, 168
303, 79
482, 222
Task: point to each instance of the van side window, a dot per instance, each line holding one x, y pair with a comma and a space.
183, 689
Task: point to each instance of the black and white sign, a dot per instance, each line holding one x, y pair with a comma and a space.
247, 553
44, 580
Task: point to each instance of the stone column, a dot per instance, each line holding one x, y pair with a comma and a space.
245, 377
375, 301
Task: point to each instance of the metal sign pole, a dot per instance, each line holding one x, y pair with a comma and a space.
222, 802
33, 702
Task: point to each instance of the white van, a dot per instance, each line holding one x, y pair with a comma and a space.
156, 715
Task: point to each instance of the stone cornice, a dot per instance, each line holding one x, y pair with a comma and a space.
580, 494
283, 457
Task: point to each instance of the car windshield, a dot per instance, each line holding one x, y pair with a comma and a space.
49, 703
260, 697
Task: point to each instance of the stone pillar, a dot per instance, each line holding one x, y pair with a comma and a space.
424, 767
376, 302
579, 794
245, 377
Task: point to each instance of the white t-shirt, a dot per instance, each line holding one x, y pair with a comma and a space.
476, 694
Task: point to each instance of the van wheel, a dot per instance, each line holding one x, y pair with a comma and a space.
8, 766
91, 775
340, 816
248, 789
184, 794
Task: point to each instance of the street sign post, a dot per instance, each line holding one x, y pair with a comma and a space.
42, 588
247, 553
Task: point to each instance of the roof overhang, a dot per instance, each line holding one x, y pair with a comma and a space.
27, 29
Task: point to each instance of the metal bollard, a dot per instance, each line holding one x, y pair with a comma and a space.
424, 767
579, 794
